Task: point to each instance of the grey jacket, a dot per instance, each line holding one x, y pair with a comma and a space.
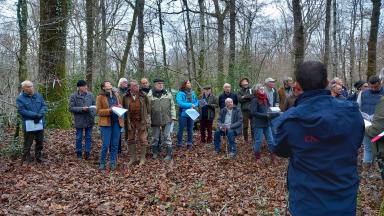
237, 120
76, 104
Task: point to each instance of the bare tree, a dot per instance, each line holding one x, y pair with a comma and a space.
299, 37
141, 36
326, 31
22, 18
372, 43
89, 6
232, 39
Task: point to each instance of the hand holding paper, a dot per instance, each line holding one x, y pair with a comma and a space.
119, 111
192, 113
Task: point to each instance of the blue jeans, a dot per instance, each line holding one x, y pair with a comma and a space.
110, 136
79, 139
185, 122
367, 155
231, 135
259, 138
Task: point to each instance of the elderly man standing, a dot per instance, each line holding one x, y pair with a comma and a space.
271, 91
245, 96
336, 91
163, 114
285, 91
32, 108
137, 121
322, 174
145, 87
227, 94
80, 104
230, 124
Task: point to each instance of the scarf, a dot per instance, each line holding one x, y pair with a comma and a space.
158, 94
188, 93
262, 98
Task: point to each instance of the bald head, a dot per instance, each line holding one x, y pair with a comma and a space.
27, 87
227, 88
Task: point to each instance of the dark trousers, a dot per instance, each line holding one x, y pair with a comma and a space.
38, 136
206, 126
246, 121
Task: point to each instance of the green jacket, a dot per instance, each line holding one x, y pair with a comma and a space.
208, 111
163, 109
378, 120
145, 111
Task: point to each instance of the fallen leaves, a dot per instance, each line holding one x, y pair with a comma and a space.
196, 182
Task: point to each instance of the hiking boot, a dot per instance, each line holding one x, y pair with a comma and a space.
79, 155
169, 154
132, 154
143, 153
113, 166
155, 152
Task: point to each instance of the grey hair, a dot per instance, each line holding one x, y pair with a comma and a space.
226, 84
227, 100
134, 82
26, 82
258, 86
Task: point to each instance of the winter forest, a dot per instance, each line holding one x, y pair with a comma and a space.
54, 43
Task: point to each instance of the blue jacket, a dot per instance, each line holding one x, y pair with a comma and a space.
321, 136
184, 104
369, 100
30, 106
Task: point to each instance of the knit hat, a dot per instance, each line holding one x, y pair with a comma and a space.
81, 83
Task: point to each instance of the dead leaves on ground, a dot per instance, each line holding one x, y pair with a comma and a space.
196, 182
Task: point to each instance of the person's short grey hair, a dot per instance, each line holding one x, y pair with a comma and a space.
333, 86
226, 84
133, 82
25, 83
258, 86
227, 100
335, 80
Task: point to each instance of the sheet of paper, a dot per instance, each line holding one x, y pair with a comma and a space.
92, 107
192, 113
31, 126
119, 111
275, 109
367, 123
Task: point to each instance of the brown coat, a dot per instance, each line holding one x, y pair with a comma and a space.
145, 111
282, 97
104, 111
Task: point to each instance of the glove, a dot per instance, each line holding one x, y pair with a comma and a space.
36, 121
38, 117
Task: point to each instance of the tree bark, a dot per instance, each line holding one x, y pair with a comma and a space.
141, 36
298, 41
164, 48
190, 39
89, 6
372, 43
326, 31
232, 40
52, 59
131, 32
352, 50
103, 41
200, 73
22, 18
334, 34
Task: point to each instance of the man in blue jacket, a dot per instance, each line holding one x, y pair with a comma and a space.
32, 108
321, 136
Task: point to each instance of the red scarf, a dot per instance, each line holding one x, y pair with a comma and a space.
262, 98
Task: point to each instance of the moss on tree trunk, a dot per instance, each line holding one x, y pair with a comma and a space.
52, 55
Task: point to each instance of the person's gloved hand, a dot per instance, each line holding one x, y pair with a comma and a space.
38, 117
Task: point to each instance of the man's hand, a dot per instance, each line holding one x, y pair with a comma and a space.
85, 109
193, 106
36, 121
38, 117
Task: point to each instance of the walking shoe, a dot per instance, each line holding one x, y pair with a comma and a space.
143, 153
155, 151
257, 155
102, 166
169, 154
132, 154
87, 156
113, 166
79, 155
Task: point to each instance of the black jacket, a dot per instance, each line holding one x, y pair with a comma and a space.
224, 96
261, 117
246, 101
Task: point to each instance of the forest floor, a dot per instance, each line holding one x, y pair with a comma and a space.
196, 182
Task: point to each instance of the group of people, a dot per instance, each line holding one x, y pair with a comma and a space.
316, 123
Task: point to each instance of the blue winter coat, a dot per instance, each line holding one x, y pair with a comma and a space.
30, 106
321, 136
184, 104
369, 100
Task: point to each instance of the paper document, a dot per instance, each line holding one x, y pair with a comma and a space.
92, 107
275, 109
367, 123
31, 126
119, 111
192, 113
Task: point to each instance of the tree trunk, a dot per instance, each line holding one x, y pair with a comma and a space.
335, 54
141, 37
52, 59
22, 18
187, 49
372, 43
190, 39
361, 39
90, 36
131, 32
232, 40
352, 44
326, 31
103, 41
298, 41
164, 48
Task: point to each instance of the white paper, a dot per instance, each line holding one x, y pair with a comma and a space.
92, 107
367, 123
119, 111
275, 109
31, 126
192, 113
